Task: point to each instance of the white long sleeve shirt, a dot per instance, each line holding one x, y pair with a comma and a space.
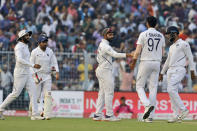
105, 54
46, 59
179, 52
22, 56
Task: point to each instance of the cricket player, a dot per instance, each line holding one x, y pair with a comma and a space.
175, 65
22, 75
150, 45
105, 77
45, 57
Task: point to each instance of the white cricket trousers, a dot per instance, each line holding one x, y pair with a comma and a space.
21, 81
43, 88
106, 91
148, 70
174, 78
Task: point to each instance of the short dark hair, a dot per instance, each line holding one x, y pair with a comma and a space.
152, 21
122, 98
106, 31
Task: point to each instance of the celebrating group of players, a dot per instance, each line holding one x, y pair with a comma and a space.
150, 48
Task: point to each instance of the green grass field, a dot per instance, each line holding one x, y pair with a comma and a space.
62, 124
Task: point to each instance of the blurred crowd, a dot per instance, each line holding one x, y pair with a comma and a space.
76, 26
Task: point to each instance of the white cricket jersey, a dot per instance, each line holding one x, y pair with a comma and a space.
46, 59
152, 42
179, 52
22, 56
105, 54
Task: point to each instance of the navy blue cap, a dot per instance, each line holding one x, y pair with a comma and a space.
42, 38
172, 29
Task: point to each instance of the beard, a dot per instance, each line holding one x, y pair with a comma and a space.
26, 41
44, 47
172, 39
110, 39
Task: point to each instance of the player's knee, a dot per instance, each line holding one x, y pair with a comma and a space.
139, 87
170, 90
110, 93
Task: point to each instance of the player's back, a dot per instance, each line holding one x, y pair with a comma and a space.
152, 42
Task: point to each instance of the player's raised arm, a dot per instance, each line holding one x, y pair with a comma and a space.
115, 54
108, 34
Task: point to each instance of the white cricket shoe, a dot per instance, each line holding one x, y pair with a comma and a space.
1, 116
37, 118
174, 119
97, 118
47, 118
147, 111
111, 118
148, 120
183, 114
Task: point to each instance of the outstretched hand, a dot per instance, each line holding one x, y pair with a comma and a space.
130, 54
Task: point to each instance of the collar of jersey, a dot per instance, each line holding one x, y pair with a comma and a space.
106, 41
177, 41
23, 44
151, 28
41, 49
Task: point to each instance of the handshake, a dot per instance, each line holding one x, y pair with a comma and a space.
132, 64
130, 55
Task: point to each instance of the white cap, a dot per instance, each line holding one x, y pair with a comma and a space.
23, 33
